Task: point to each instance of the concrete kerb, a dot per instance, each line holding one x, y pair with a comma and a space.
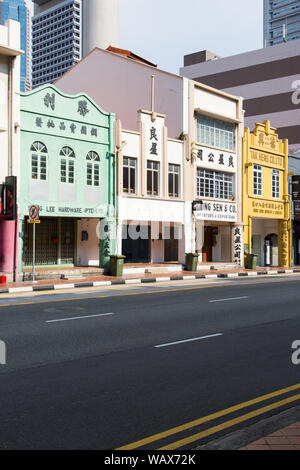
115, 282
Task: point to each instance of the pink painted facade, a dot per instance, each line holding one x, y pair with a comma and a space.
122, 86
8, 249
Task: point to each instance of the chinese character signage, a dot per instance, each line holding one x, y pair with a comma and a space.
153, 136
215, 159
237, 245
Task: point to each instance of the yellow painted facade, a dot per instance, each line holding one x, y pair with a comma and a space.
263, 150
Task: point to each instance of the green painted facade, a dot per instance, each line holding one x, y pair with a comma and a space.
58, 121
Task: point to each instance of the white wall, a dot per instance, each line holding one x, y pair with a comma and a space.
9, 38
88, 251
215, 104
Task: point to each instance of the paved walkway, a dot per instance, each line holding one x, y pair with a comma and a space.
151, 276
287, 438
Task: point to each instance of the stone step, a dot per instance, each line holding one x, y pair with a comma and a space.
216, 266
61, 274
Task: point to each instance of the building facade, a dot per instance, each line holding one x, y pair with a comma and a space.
267, 79
216, 127
152, 213
281, 21
195, 159
68, 171
266, 199
18, 11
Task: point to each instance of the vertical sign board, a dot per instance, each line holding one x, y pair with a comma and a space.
296, 188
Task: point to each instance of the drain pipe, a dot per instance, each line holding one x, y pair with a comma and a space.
10, 129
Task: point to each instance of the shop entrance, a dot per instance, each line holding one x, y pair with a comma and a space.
271, 250
171, 247
136, 251
55, 242
207, 245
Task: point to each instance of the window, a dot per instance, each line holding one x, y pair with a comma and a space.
67, 165
257, 180
93, 169
215, 133
276, 184
174, 173
152, 178
214, 184
129, 175
39, 157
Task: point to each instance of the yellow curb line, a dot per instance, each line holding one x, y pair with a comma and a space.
209, 417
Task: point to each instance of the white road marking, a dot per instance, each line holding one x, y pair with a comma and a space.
187, 340
231, 298
79, 318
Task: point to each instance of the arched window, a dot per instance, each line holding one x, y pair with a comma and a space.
39, 160
93, 169
67, 165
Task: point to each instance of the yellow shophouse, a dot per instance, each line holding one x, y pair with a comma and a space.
266, 202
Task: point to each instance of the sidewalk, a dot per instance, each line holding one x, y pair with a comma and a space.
104, 280
287, 438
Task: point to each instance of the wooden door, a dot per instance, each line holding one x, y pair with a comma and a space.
207, 247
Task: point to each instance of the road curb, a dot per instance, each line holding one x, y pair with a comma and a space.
115, 282
235, 440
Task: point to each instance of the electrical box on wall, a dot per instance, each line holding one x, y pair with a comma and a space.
84, 236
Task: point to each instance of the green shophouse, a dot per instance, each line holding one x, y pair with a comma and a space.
67, 166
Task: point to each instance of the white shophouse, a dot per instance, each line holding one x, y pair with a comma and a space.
151, 207
215, 124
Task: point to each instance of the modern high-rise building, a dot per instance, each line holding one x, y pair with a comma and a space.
267, 79
65, 31
281, 21
56, 39
17, 10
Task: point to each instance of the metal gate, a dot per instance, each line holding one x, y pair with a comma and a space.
46, 242
55, 242
67, 241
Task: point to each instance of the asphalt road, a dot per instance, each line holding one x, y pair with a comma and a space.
102, 369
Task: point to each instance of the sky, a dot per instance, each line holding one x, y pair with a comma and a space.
163, 31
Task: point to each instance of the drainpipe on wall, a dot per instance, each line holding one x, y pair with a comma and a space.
10, 128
